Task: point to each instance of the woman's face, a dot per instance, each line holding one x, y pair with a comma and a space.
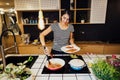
65, 19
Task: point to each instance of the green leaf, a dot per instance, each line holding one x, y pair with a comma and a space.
105, 71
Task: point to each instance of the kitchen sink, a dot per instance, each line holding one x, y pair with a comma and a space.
20, 59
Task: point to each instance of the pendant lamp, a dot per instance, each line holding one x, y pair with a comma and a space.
41, 25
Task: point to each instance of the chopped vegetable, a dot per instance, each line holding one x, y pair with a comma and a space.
16, 72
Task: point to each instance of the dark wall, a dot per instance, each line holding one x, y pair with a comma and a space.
89, 32
112, 21
108, 32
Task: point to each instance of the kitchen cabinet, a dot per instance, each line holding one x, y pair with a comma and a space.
112, 49
27, 16
50, 16
90, 10
31, 49
86, 46
91, 48
30, 18
96, 48
80, 10
99, 48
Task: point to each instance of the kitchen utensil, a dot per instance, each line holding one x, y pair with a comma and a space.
48, 59
55, 64
45, 48
77, 64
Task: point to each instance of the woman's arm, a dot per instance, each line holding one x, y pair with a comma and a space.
71, 38
43, 34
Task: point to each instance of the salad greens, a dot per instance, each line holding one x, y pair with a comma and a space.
105, 71
16, 72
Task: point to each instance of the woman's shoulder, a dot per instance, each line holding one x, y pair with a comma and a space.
54, 26
71, 25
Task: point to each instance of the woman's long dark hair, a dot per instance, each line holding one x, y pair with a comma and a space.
66, 11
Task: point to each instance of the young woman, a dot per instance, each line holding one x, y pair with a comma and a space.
63, 34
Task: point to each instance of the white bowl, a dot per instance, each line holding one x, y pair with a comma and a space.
77, 64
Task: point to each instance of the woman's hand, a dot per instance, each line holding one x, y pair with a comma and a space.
46, 50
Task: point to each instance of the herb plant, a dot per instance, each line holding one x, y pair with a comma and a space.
105, 71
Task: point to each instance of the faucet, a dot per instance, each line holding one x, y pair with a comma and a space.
2, 47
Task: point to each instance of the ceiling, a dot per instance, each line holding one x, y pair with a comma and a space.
4, 6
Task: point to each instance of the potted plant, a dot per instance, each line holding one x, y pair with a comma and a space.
83, 17
114, 61
105, 71
16, 72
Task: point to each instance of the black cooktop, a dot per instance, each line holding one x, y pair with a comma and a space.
66, 69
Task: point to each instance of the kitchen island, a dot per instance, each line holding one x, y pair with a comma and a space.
38, 66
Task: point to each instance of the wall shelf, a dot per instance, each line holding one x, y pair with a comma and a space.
52, 15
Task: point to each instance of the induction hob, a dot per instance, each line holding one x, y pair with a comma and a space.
66, 69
